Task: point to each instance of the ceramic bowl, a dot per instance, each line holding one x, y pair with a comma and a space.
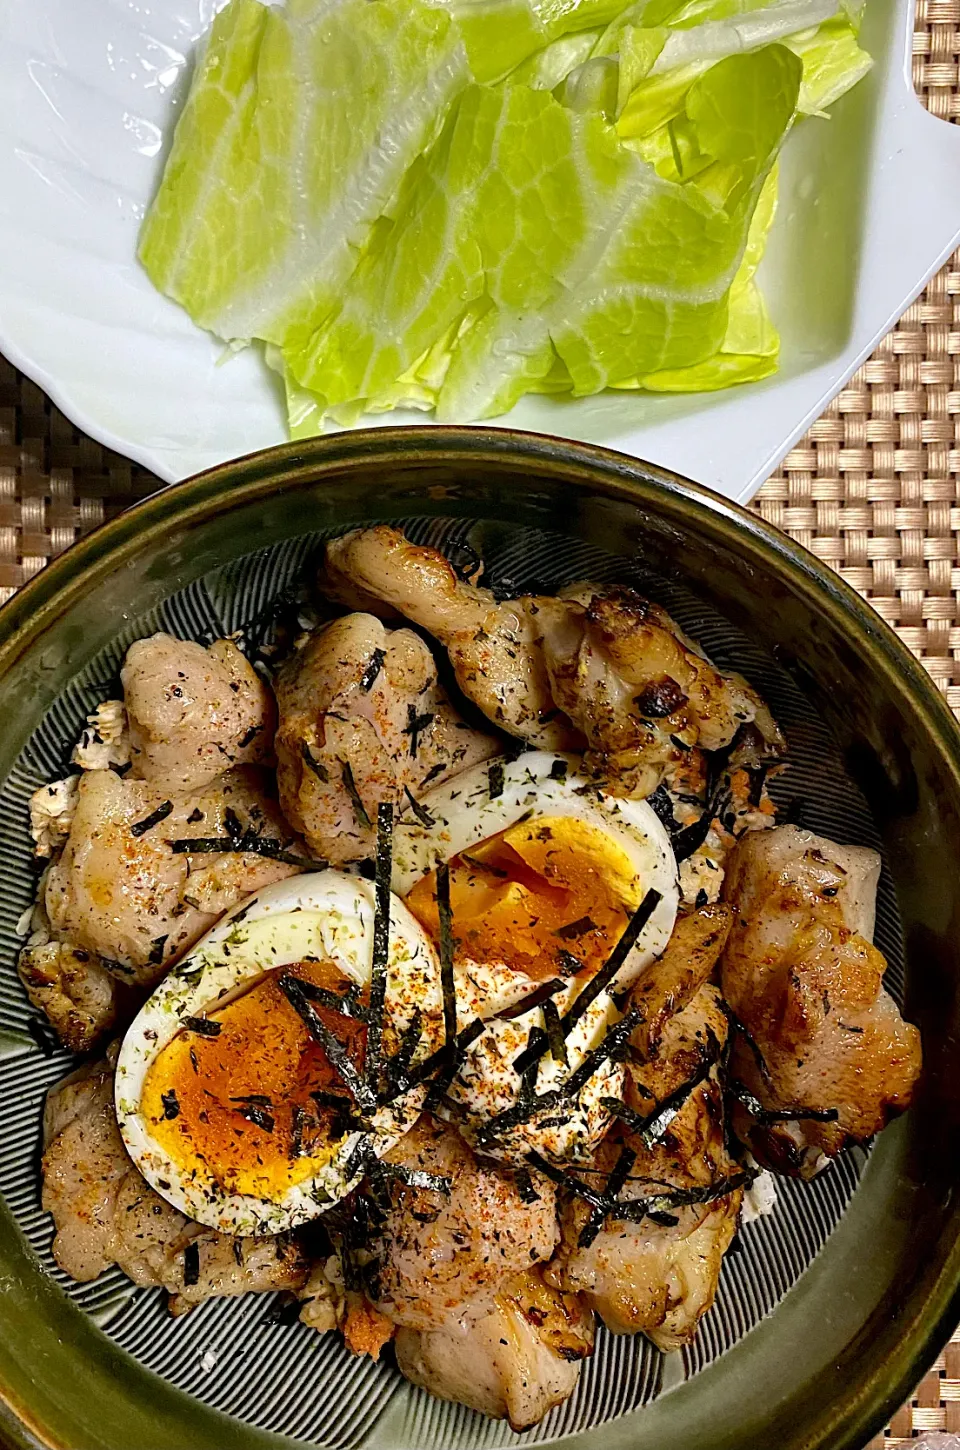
836, 1302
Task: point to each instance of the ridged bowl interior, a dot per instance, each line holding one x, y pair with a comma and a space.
810, 1293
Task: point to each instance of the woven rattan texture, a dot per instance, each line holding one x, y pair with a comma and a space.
873, 489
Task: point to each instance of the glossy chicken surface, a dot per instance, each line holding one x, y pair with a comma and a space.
363, 719
603, 668
496, 649
120, 891
803, 978
515, 1362
193, 712
446, 1254
105, 1213
659, 1278
78, 996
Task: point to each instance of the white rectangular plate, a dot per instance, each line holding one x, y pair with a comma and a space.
88, 90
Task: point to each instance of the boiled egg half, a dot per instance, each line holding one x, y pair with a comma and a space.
547, 872
229, 1104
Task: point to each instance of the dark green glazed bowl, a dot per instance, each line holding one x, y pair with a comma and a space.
849, 1341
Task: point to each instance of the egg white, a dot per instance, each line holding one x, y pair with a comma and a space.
328, 915
464, 813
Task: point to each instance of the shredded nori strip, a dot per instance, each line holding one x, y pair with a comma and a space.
191, 1263
259, 1117
311, 762
570, 965
543, 993
140, 828
447, 986
798, 1114
360, 1090
350, 786
422, 815
418, 1178
331, 1100
260, 1099
495, 779
171, 1106
156, 951
432, 773
554, 1031
398, 1066
692, 837
559, 770
609, 1048
298, 1121
525, 1189
445, 1059
202, 1026
372, 670
662, 807
415, 724
528, 1104
618, 1177
651, 1128
233, 824
574, 929
599, 982
249, 736
338, 1056
737, 1026
635, 1210
285, 1311
381, 946
249, 844
346, 1004
757, 775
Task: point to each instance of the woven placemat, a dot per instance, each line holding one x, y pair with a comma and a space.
873, 489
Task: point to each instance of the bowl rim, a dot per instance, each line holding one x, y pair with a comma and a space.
51, 592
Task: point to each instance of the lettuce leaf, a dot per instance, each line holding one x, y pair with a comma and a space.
444, 204
537, 253
751, 345
833, 63
500, 35
295, 137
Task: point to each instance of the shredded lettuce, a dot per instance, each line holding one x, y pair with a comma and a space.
444, 204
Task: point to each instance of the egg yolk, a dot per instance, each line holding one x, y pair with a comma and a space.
239, 1106
550, 897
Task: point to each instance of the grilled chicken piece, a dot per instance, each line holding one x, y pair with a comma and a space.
671, 982
634, 685
495, 649
70, 986
444, 1256
364, 699
194, 712
660, 1279
119, 891
105, 1212
601, 666
802, 977
517, 1361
